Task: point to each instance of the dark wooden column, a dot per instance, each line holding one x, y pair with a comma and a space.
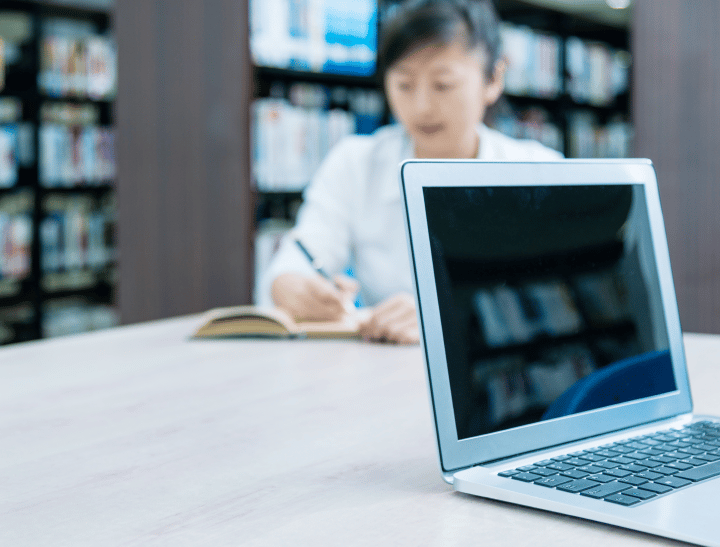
676, 113
185, 219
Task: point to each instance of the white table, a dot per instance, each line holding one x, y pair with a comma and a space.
139, 436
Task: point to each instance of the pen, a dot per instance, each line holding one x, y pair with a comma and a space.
316, 265
314, 262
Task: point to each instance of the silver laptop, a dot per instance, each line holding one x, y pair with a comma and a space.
553, 345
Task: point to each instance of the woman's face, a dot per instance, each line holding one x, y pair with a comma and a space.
440, 94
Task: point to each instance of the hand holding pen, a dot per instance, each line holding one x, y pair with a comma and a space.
340, 283
315, 297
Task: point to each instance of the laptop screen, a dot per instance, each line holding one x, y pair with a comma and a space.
549, 301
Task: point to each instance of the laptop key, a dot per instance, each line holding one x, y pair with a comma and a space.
605, 490
577, 486
592, 468
609, 453
708, 457
633, 468
622, 460
552, 482
700, 473
620, 473
650, 475
635, 481
575, 474
526, 477
673, 481
544, 471
665, 470
637, 446
592, 457
526, 468
653, 487
695, 462
508, 473
650, 440
648, 463
622, 499
607, 464
642, 494
680, 466
602, 478
663, 459
558, 466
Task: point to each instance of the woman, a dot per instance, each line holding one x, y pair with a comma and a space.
441, 68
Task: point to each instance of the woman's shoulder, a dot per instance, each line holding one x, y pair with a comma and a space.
497, 145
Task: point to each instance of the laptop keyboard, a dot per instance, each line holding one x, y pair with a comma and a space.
633, 470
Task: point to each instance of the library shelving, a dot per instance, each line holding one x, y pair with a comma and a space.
567, 83
57, 170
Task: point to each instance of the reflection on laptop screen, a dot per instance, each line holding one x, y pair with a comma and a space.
549, 301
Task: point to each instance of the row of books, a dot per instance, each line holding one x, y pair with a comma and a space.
315, 35
16, 240
513, 387
519, 314
15, 235
516, 315
8, 155
289, 142
595, 72
72, 155
75, 61
62, 317
588, 138
532, 123
76, 233
268, 236
534, 61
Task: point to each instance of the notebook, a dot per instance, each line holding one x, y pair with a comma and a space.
553, 345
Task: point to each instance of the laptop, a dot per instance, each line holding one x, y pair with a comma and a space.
553, 346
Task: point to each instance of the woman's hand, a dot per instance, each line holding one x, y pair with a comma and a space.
313, 297
393, 320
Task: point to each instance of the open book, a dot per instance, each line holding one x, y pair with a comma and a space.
253, 321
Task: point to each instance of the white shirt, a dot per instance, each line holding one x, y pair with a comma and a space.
352, 211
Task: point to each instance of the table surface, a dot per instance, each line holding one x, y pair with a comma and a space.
140, 436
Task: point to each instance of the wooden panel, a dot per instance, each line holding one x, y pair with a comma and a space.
676, 113
183, 157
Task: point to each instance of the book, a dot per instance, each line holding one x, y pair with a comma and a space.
261, 322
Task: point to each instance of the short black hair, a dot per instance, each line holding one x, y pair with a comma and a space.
415, 23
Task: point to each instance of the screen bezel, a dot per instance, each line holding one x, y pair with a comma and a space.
460, 453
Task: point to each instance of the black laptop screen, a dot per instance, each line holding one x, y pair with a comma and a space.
549, 301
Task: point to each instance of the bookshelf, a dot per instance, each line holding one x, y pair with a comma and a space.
57, 170
568, 82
